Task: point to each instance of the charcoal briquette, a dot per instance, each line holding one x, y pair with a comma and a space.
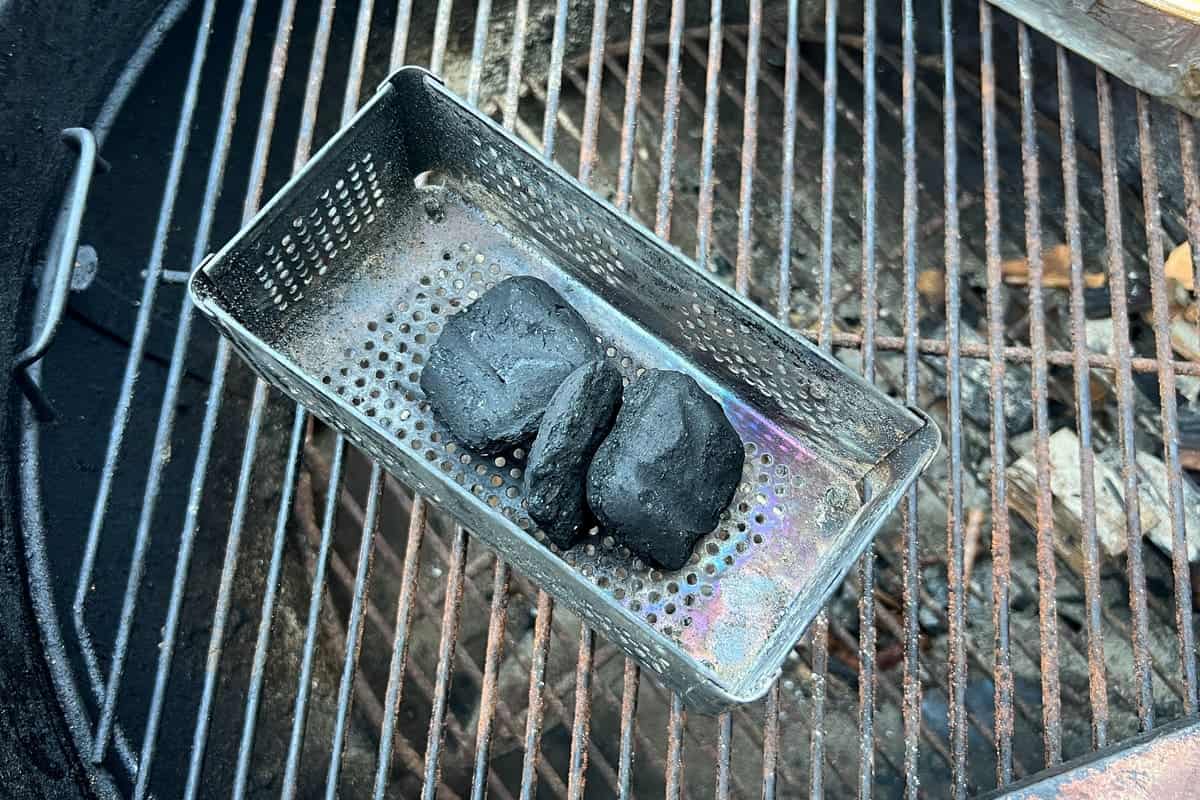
576, 421
666, 470
495, 366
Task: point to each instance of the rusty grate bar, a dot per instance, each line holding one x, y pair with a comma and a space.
1133, 525
1167, 405
870, 311
954, 548
859, 658
498, 615
1097, 683
633, 86
1047, 614
1001, 543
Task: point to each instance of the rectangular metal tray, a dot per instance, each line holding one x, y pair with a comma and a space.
337, 289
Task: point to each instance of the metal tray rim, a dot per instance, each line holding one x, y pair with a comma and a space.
709, 692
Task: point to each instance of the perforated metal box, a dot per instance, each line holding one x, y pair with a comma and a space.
337, 289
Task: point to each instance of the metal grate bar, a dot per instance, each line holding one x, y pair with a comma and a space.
400, 639
941, 682
1120, 317
498, 617
574, 133
675, 727
224, 592
819, 633
488, 691
1001, 543
358, 59
870, 310
770, 777
1097, 682
441, 35
545, 605
400, 35
417, 511
537, 678
957, 666
133, 362
1013, 354
426, 607
304, 687
749, 149
354, 632
371, 704
655, 115
483, 12
451, 615
595, 76
633, 88
317, 597
712, 97
677, 719
452, 606
237, 519
312, 89
301, 423
1047, 611
771, 725
270, 595
166, 419
581, 721
552, 697
670, 125
911, 703
125, 397
1167, 405
791, 55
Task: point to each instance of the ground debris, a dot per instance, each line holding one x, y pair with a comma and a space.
1065, 485
1179, 268
1056, 270
976, 386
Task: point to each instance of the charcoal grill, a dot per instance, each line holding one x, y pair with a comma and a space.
247, 605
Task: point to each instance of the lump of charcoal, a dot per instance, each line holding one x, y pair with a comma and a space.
493, 370
575, 422
671, 463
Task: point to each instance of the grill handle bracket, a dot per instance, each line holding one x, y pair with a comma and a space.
59, 268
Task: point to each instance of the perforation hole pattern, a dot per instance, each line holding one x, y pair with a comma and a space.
379, 376
722, 339
598, 248
668, 600
314, 240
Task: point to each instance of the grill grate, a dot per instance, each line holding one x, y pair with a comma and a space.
967, 633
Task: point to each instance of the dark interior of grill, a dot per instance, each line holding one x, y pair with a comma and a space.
222, 588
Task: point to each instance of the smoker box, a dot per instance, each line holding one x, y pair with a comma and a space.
338, 288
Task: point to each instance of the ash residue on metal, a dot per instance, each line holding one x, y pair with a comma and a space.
576, 421
495, 366
667, 469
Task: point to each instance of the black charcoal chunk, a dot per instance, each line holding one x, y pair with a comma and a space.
670, 465
493, 370
576, 421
